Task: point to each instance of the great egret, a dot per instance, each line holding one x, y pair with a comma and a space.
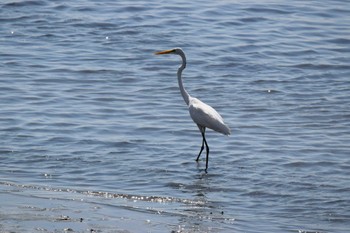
202, 114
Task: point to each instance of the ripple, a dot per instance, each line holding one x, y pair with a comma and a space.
24, 4
130, 197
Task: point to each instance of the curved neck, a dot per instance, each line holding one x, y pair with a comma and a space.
184, 93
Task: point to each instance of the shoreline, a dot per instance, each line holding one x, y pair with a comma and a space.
29, 208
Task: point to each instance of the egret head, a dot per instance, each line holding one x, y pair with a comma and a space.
177, 51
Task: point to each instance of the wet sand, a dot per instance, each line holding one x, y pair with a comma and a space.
35, 211
32, 208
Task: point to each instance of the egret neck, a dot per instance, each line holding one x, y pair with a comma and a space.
184, 93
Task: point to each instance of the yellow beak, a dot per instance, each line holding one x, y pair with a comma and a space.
165, 52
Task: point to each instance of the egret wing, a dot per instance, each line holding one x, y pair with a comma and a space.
206, 116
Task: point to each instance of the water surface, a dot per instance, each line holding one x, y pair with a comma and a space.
93, 126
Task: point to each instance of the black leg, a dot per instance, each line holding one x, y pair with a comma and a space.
207, 148
200, 152
204, 141
202, 129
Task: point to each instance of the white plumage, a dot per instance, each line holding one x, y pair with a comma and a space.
206, 116
202, 114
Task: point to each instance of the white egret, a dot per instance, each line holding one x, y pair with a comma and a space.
202, 114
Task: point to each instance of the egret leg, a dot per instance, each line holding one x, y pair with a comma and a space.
202, 129
207, 148
204, 141
200, 152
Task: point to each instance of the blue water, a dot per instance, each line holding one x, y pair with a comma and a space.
91, 120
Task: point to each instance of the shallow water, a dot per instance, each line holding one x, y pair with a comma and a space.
93, 126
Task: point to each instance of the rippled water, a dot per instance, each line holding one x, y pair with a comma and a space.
93, 126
